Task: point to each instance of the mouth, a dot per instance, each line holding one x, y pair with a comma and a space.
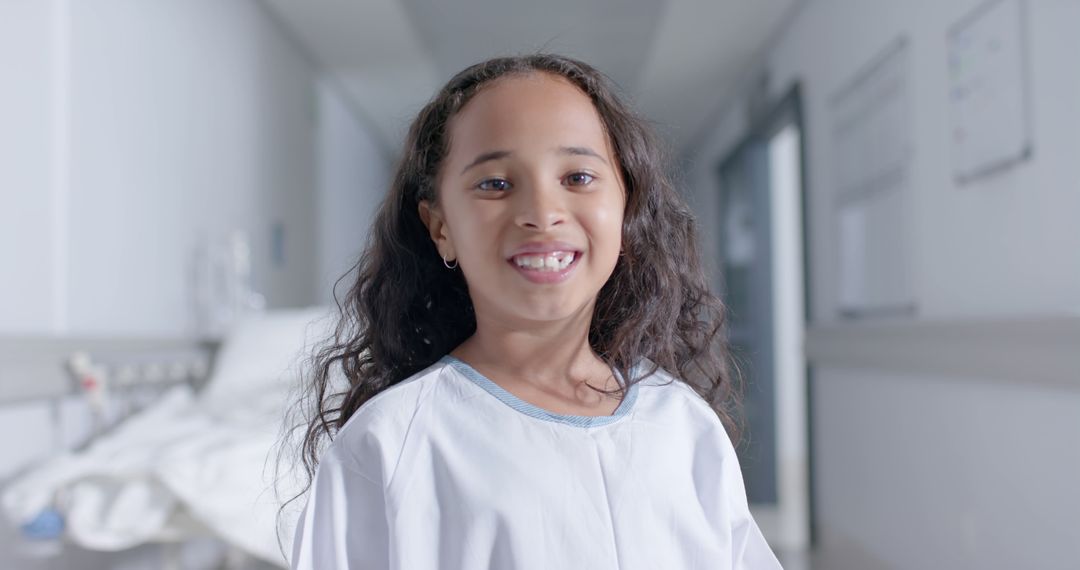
551, 267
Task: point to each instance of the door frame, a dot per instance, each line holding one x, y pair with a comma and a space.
787, 110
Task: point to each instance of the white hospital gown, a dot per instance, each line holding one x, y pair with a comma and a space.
446, 470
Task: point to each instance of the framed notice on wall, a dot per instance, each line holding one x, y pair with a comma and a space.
872, 149
989, 90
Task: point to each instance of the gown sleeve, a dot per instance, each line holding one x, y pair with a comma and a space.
749, 549
344, 523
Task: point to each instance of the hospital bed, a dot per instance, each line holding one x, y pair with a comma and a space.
193, 463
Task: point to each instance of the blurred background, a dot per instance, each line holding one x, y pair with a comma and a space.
887, 194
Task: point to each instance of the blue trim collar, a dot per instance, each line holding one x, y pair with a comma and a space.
535, 411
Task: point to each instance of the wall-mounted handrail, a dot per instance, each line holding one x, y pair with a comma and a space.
1029, 350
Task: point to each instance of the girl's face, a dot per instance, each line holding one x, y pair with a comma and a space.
530, 200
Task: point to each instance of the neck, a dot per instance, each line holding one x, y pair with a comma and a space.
547, 353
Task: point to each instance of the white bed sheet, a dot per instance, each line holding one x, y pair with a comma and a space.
211, 455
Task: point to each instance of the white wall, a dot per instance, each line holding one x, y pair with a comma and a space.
187, 119
914, 470
946, 472
134, 130
1001, 246
354, 176
26, 178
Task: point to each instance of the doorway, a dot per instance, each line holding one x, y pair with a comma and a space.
764, 284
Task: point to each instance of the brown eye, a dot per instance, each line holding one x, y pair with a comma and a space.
579, 179
494, 185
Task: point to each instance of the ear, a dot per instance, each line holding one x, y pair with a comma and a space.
436, 226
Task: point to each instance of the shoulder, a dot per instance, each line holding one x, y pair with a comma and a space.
657, 378
680, 420
670, 397
371, 440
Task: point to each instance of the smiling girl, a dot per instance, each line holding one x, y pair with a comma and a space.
531, 369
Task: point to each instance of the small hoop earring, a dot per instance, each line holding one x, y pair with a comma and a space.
448, 266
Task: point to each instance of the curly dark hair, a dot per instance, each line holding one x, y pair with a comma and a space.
405, 310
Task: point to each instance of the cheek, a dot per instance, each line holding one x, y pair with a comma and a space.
467, 228
477, 241
605, 223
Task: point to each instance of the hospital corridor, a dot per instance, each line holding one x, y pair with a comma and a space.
886, 195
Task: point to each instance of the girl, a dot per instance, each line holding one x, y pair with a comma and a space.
532, 376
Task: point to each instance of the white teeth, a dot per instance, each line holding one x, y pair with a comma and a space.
553, 262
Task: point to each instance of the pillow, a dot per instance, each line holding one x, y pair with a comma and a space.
263, 354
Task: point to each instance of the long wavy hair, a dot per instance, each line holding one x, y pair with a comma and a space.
405, 309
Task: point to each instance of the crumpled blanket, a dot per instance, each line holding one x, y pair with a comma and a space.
208, 458
127, 488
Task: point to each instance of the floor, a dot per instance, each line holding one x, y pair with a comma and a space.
205, 554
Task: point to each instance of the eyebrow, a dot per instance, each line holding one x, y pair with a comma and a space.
565, 150
486, 157
580, 151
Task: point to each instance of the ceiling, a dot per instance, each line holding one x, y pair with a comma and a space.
677, 61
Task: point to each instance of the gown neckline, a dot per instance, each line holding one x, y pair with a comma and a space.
535, 411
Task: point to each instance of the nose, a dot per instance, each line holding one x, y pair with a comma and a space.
540, 206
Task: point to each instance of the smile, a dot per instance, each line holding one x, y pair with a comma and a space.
550, 267
554, 261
